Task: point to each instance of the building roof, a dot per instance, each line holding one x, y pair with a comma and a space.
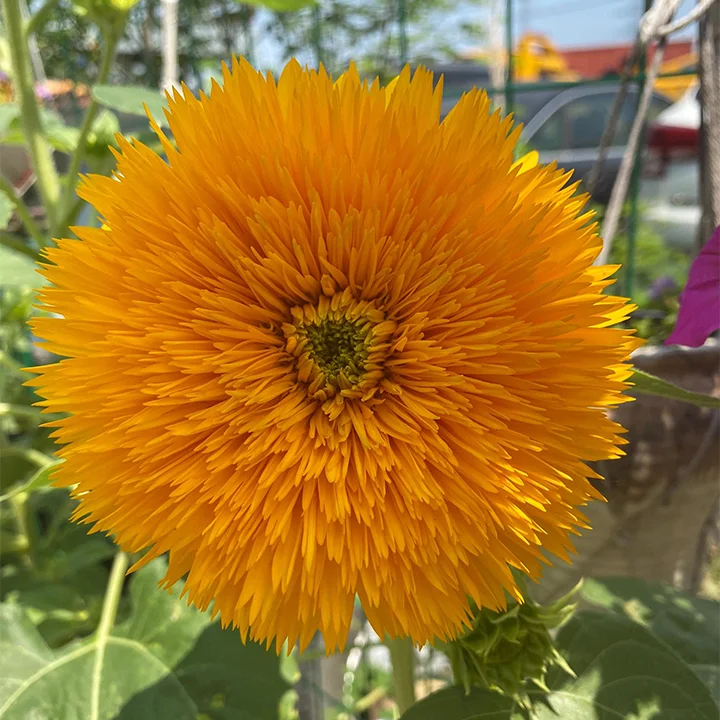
597, 62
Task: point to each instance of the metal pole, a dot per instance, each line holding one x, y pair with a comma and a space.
497, 62
170, 35
634, 219
402, 28
509, 45
317, 34
709, 53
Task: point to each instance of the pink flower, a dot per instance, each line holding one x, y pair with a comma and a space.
699, 314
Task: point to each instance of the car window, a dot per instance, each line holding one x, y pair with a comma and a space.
528, 103
587, 117
579, 124
627, 115
551, 134
657, 105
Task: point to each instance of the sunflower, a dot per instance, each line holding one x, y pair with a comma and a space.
334, 347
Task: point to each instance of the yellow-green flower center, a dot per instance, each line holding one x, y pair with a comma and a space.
338, 346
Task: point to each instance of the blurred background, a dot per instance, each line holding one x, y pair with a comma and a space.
573, 73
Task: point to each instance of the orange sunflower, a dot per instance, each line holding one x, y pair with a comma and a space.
334, 347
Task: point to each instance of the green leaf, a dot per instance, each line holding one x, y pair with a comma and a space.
647, 384
167, 661
8, 113
39, 480
103, 131
6, 210
710, 675
61, 137
67, 564
454, 704
17, 270
689, 625
623, 671
60, 611
130, 99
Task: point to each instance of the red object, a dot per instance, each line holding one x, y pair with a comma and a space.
665, 143
597, 62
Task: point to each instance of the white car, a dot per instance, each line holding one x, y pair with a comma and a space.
670, 188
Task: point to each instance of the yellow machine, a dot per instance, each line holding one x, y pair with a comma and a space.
537, 59
675, 87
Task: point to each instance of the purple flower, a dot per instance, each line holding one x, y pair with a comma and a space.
699, 314
3, 76
42, 92
661, 287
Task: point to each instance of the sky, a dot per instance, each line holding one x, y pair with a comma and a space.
567, 23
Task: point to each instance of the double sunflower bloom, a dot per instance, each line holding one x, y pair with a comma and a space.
334, 347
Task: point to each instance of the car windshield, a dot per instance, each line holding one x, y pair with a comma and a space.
526, 104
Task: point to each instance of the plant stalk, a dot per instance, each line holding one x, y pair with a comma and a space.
107, 620
402, 657
38, 20
23, 211
18, 245
38, 146
68, 202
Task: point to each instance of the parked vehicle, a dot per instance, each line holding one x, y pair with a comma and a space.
670, 189
563, 124
570, 125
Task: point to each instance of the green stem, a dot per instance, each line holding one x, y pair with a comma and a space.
402, 657
40, 150
30, 454
17, 245
68, 203
38, 20
23, 211
107, 620
18, 503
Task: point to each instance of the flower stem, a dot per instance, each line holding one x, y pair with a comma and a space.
403, 666
69, 207
17, 244
107, 620
38, 20
40, 150
23, 211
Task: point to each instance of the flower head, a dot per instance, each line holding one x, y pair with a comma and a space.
699, 315
333, 347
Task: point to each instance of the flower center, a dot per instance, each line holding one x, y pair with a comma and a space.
338, 346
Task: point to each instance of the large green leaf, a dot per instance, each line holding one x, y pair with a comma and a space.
622, 671
689, 625
166, 661
455, 704
61, 136
18, 270
130, 99
647, 384
710, 675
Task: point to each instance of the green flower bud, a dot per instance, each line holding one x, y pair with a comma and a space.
504, 650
